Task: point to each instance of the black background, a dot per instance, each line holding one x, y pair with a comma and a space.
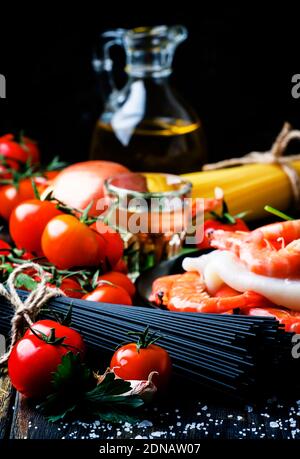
235, 69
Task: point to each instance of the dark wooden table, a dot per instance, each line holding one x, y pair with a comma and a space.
175, 417
186, 413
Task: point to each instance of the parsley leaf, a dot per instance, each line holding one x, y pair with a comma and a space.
76, 394
23, 280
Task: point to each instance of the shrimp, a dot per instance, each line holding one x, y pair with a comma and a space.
161, 288
223, 267
187, 293
272, 250
285, 231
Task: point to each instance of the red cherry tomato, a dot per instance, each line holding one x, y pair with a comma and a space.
119, 279
32, 150
33, 361
211, 225
27, 256
67, 243
11, 196
130, 362
18, 151
71, 288
113, 243
27, 223
121, 267
112, 294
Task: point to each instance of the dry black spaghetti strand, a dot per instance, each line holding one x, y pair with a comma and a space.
225, 352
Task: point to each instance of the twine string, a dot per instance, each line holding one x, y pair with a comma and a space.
26, 311
272, 156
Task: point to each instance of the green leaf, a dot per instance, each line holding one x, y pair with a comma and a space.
242, 215
70, 372
187, 250
55, 409
60, 417
23, 280
229, 218
94, 282
76, 394
18, 252
109, 394
56, 164
35, 190
7, 266
70, 381
67, 320
85, 212
109, 386
278, 213
116, 416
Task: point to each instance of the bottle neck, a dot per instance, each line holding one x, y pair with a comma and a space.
153, 62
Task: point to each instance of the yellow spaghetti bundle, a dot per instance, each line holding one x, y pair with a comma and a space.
263, 178
248, 187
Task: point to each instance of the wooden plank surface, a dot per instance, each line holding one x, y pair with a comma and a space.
175, 418
7, 396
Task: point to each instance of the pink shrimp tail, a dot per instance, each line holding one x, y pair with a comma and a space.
228, 240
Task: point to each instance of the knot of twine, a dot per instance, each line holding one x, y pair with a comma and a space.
272, 156
26, 311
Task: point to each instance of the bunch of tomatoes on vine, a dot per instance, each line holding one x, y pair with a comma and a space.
51, 219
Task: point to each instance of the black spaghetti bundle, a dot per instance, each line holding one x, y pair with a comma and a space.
227, 352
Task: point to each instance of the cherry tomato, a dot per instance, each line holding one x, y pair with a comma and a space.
27, 223
71, 288
112, 294
27, 256
211, 225
120, 279
72, 338
32, 149
121, 267
18, 151
67, 243
80, 184
222, 220
33, 361
113, 243
132, 361
11, 196
290, 319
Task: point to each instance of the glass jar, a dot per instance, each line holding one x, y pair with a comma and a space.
151, 212
146, 125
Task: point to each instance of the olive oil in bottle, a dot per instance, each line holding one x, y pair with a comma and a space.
145, 125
